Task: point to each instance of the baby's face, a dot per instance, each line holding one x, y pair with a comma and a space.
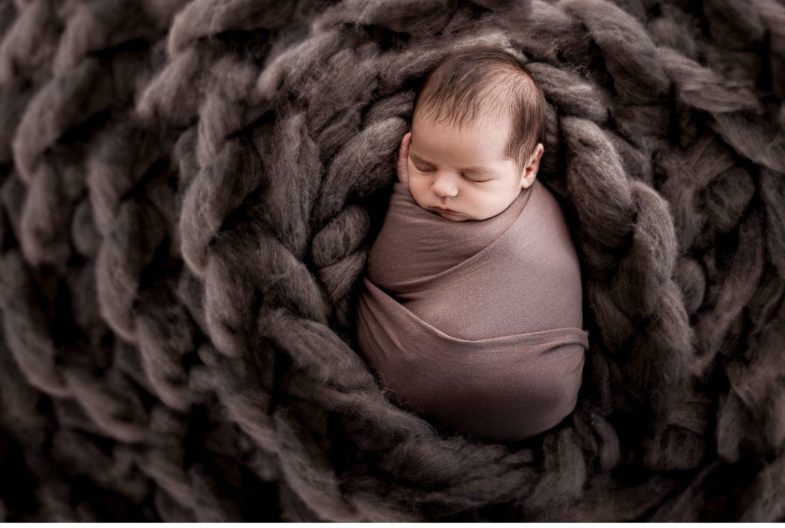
464, 170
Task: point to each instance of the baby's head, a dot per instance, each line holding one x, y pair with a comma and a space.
476, 134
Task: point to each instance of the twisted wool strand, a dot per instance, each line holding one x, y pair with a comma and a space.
188, 194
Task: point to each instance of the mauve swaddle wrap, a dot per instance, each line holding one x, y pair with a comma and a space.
476, 325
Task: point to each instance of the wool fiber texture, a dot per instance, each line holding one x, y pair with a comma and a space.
188, 192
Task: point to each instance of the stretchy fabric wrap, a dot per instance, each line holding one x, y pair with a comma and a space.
476, 325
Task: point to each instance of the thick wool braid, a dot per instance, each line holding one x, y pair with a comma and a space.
189, 190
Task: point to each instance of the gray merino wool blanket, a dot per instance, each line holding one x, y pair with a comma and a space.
188, 194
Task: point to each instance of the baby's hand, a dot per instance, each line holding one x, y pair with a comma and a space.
403, 158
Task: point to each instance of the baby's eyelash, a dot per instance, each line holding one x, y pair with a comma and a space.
473, 180
470, 179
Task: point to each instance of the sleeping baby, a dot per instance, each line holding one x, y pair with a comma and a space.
471, 305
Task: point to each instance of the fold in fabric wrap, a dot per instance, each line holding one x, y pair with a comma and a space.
476, 325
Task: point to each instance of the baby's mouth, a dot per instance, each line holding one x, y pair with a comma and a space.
446, 212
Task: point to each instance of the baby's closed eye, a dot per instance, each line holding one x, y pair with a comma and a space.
470, 177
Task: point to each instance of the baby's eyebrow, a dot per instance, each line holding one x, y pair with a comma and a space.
415, 157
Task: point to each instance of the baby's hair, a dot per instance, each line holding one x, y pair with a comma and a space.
481, 79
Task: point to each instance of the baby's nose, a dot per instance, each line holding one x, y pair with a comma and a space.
445, 186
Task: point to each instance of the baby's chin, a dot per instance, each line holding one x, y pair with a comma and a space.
452, 216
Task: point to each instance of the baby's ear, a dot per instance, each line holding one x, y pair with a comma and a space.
529, 172
403, 159
537, 154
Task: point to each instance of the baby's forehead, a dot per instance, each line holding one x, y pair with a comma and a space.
473, 145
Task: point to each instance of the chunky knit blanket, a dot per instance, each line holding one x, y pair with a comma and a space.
188, 191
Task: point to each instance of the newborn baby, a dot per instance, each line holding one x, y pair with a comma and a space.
471, 306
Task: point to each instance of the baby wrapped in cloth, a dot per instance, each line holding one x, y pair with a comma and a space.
476, 325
